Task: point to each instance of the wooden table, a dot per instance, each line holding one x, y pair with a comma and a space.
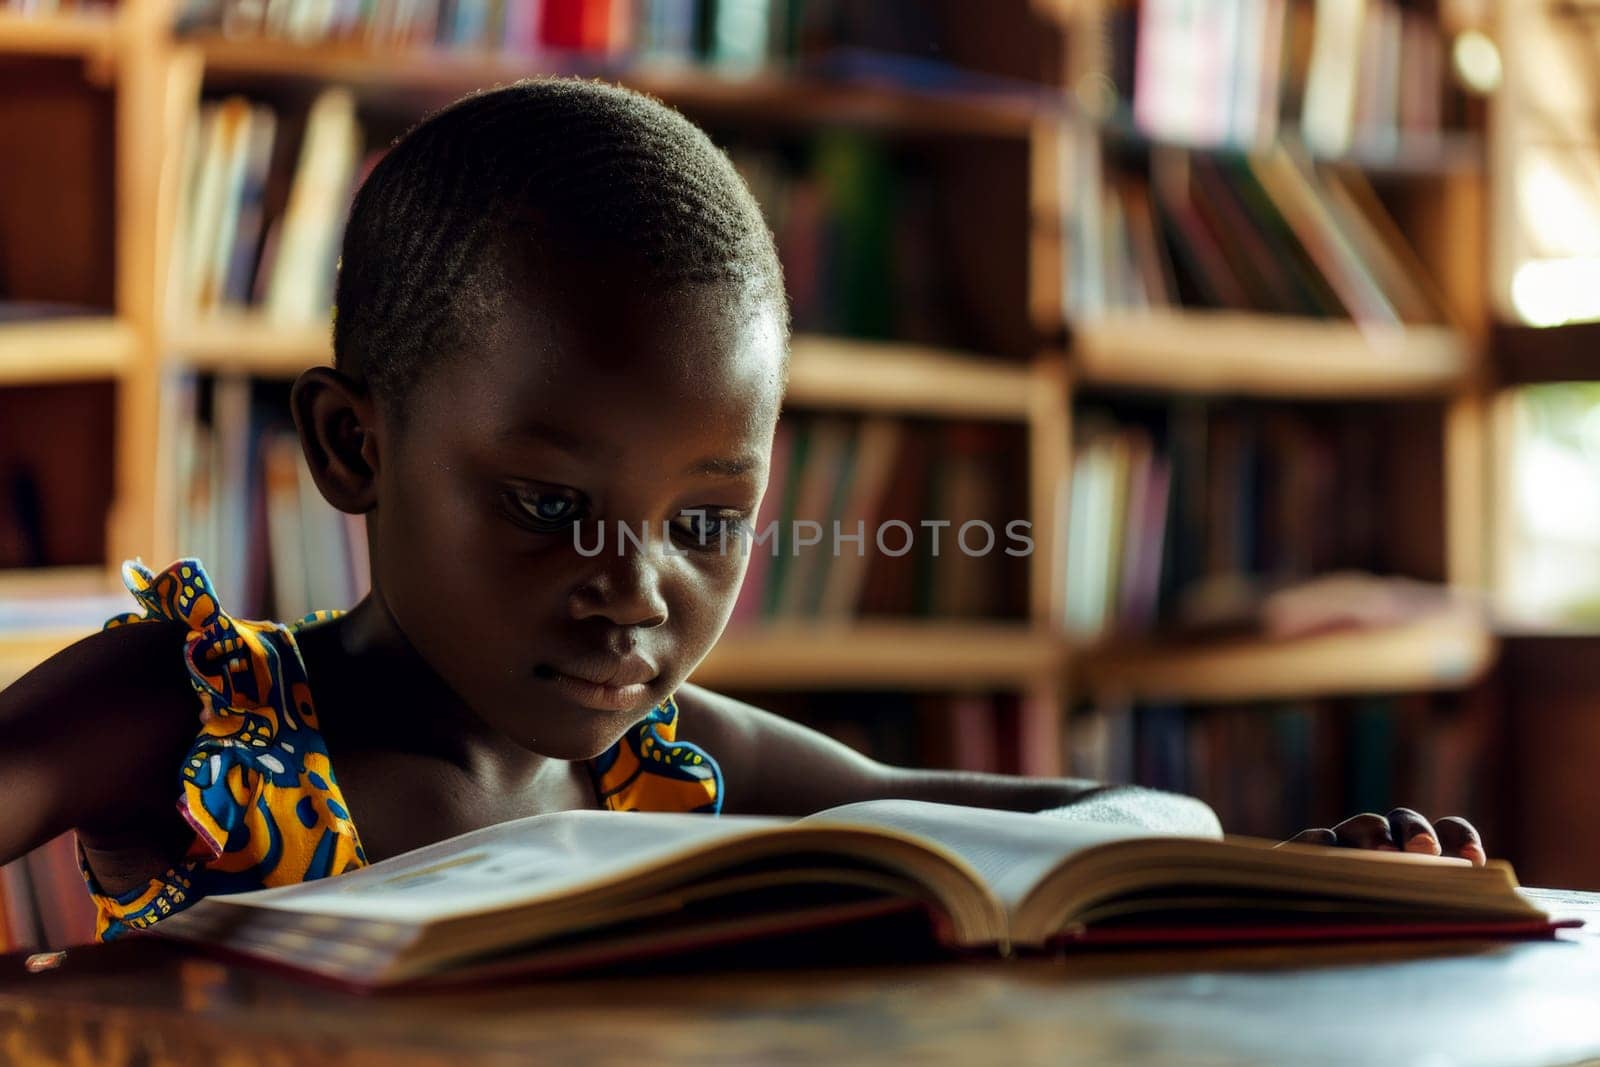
148, 1002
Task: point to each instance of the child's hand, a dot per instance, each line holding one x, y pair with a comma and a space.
1402, 830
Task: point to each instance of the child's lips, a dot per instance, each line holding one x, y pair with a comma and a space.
604, 683
631, 697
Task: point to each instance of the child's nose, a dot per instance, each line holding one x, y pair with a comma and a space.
625, 589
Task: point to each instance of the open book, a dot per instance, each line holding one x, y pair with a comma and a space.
571, 889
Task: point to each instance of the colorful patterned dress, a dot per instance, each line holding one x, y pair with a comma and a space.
257, 786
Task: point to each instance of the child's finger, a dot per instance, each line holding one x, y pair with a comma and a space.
1412, 832
1313, 837
1458, 837
1367, 830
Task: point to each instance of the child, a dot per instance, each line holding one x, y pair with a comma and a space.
558, 313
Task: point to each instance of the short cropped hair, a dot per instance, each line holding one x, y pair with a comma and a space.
542, 167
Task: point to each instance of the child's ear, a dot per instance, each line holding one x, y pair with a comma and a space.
336, 419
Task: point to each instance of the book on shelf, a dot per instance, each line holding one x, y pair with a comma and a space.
9, 923
877, 447
17, 311
58, 611
1310, 762
963, 730
261, 214
732, 35
881, 516
858, 225
1363, 75
1218, 518
43, 901
564, 891
56, 446
248, 237
247, 506
52, 7
312, 223
1267, 232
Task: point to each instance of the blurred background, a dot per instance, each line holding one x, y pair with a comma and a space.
1272, 318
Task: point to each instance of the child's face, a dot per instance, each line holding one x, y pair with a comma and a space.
603, 402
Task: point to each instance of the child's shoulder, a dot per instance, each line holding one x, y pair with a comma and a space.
95, 733
772, 765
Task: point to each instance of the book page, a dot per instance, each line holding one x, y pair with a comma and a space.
517, 862
1012, 850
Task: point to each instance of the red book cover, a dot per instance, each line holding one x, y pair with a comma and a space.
578, 25
890, 584
1215, 934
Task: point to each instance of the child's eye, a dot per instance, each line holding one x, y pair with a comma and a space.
548, 509
709, 527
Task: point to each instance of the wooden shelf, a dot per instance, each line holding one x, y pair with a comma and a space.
246, 343
827, 372
90, 34
1451, 152
1267, 355
35, 352
87, 595
933, 655
906, 379
770, 97
21, 653
1435, 654
1413, 156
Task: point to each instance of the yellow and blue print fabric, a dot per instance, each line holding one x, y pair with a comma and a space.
650, 770
257, 787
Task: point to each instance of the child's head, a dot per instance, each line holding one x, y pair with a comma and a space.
557, 304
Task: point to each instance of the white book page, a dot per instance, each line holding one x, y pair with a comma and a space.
1012, 850
511, 863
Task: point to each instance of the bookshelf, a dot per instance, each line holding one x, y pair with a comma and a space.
247, 344
94, 348
1268, 356
766, 97
1268, 730
1525, 355
876, 655
1037, 116
74, 595
825, 372
1416, 657
1542, 255
90, 35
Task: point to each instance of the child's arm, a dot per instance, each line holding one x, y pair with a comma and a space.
772, 766
91, 739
